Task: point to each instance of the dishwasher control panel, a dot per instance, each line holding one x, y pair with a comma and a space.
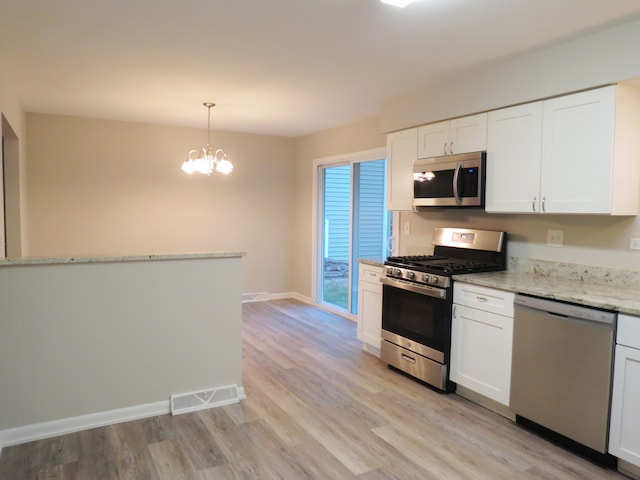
568, 310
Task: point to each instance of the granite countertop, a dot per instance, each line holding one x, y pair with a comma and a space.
122, 258
616, 290
373, 262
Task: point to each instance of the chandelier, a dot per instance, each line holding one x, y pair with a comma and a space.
207, 161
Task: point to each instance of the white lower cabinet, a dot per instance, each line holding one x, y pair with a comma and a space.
481, 340
370, 307
624, 435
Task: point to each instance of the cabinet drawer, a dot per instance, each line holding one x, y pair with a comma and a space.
370, 274
628, 331
483, 298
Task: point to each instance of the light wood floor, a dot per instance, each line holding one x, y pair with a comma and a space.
318, 407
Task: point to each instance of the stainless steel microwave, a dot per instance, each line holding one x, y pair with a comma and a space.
450, 181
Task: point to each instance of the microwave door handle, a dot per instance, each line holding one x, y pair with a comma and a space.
456, 178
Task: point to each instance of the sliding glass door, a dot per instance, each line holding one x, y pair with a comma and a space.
371, 220
353, 223
336, 233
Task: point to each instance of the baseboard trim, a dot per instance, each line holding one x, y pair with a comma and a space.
300, 298
629, 469
375, 351
266, 296
39, 431
485, 402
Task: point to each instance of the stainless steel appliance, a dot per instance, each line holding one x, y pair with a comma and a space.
450, 181
561, 373
417, 297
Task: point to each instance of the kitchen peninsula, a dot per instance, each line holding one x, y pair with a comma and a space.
98, 340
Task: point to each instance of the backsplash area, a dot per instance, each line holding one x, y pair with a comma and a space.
588, 240
575, 272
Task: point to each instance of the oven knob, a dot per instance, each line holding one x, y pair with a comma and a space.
411, 275
433, 279
398, 272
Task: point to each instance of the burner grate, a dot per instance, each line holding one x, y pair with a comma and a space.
443, 265
415, 259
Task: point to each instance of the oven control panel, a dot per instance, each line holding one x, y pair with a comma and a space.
417, 277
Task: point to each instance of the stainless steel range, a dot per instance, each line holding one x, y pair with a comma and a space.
417, 295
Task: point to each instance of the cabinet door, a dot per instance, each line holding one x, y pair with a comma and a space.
370, 315
624, 435
402, 151
628, 331
514, 146
481, 352
468, 134
433, 140
577, 152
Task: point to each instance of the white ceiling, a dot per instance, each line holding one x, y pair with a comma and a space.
282, 67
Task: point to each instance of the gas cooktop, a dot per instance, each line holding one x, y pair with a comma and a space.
443, 265
456, 251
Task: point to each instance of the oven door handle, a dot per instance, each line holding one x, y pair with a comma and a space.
413, 287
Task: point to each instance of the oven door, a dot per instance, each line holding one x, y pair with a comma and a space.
420, 314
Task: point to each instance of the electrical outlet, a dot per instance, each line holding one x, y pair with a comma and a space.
555, 238
407, 228
634, 244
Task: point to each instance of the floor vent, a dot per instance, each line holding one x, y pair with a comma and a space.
214, 397
256, 297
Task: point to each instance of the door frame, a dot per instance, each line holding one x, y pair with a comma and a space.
316, 261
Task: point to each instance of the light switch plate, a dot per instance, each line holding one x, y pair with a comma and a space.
634, 244
555, 238
407, 228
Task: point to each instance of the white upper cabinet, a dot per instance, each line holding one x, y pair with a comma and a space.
462, 135
433, 140
514, 147
583, 149
402, 151
578, 152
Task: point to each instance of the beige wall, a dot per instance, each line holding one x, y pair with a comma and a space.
79, 339
354, 137
101, 187
13, 128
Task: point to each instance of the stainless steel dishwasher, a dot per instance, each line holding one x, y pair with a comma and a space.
561, 373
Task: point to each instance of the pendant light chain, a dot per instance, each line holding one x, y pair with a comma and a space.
209, 105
